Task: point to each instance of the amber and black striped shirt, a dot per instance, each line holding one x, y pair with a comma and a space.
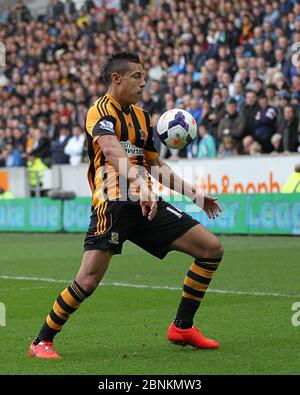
133, 129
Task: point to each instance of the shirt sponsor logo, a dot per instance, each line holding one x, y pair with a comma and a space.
131, 150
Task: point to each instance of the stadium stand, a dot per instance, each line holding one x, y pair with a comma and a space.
231, 64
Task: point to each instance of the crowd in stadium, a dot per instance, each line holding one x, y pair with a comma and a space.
233, 64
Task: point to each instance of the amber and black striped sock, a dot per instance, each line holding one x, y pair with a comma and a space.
195, 285
66, 303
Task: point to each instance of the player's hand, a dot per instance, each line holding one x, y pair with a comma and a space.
209, 204
148, 202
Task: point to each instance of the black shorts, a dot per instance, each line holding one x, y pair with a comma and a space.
115, 222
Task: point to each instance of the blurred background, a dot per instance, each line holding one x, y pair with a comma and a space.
233, 65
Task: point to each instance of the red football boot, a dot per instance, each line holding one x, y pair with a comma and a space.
43, 350
191, 336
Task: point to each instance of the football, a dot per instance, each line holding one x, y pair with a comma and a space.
176, 128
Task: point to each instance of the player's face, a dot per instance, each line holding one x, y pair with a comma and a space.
132, 83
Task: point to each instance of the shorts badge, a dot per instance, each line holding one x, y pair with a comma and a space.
114, 238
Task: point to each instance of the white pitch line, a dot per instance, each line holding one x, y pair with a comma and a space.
166, 287
49, 280
30, 288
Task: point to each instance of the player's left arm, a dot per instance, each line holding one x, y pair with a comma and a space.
167, 177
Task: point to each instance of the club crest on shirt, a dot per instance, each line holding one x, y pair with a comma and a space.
140, 134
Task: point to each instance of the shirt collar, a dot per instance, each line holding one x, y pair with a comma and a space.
117, 104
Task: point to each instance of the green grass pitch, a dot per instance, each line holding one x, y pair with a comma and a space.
121, 329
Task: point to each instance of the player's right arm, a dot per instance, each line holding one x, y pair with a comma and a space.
101, 127
118, 158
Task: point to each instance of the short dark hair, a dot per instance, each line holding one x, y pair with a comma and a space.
262, 95
117, 63
231, 100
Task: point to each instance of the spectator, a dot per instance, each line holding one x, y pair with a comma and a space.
265, 124
279, 80
261, 68
69, 8
36, 169
268, 53
5, 194
41, 147
199, 57
149, 104
20, 143
205, 115
255, 149
12, 156
232, 124
283, 100
237, 93
249, 111
276, 142
258, 87
271, 95
205, 85
227, 147
195, 110
207, 145
295, 102
292, 184
58, 147
271, 13
55, 9
156, 139
6, 14
177, 67
282, 64
217, 114
253, 76
288, 129
22, 13
157, 95
156, 72
75, 145
247, 142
